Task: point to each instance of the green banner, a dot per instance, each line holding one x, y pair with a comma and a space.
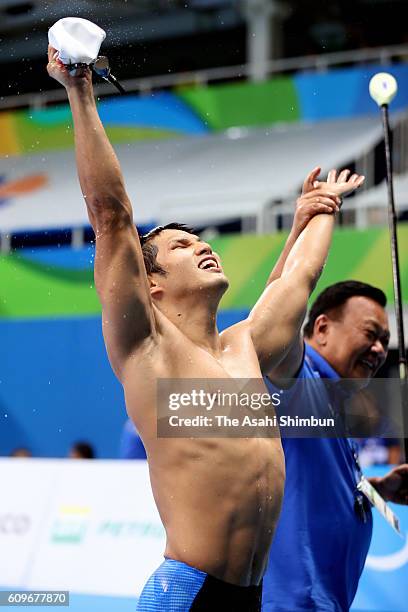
34, 289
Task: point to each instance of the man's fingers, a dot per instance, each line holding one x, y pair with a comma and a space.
402, 470
323, 208
327, 201
309, 180
51, 53
314, 174
343, 176
317, 208
321, 192
332, 176
318, 204
357, 180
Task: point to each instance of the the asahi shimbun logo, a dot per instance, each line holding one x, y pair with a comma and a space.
71, 525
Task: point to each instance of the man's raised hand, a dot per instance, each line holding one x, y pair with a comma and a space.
313, 201
342, 184
394, 485
58, 71
323, 196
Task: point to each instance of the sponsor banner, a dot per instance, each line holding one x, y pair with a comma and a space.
98, 530
102, 533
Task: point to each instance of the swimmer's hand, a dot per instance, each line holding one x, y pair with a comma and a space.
323, 196
313, 202
58, 71
342, 185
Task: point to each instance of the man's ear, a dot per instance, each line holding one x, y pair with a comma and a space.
321, 329
156, 291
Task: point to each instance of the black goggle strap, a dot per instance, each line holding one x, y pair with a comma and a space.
101, 67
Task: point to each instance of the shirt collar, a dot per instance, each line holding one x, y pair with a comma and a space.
319, 363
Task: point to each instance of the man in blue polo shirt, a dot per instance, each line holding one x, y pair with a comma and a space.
325, 526
324, 530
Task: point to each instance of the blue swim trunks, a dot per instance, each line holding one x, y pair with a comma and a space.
177, 587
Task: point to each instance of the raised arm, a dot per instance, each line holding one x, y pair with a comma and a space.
277, 317
310, 203
120, 276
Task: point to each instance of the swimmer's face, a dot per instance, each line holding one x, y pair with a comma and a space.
190, 264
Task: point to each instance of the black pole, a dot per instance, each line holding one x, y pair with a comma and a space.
392, 224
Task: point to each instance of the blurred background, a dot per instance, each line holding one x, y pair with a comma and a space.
229, 104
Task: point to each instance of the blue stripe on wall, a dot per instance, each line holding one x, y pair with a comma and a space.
343, 92
61, 257
57, 387
159, 110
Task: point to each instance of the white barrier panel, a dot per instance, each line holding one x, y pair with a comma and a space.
25, 494
84, 526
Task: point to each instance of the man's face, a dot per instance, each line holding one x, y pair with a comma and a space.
356, 339
190, 263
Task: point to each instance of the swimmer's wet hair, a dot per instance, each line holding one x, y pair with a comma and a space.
334, 298
150, 250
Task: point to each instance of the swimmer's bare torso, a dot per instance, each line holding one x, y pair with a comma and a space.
219, 499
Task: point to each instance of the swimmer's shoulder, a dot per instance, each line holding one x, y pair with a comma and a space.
236, 334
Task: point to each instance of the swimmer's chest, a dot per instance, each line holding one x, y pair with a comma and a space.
238, 358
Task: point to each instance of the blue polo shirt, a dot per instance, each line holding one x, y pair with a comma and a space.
321, 542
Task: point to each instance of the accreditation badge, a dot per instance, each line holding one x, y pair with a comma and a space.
376, 500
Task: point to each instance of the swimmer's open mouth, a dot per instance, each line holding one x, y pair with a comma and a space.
209, 263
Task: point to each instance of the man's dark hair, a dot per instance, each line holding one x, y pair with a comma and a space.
336, 296
84, 450
150, 250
